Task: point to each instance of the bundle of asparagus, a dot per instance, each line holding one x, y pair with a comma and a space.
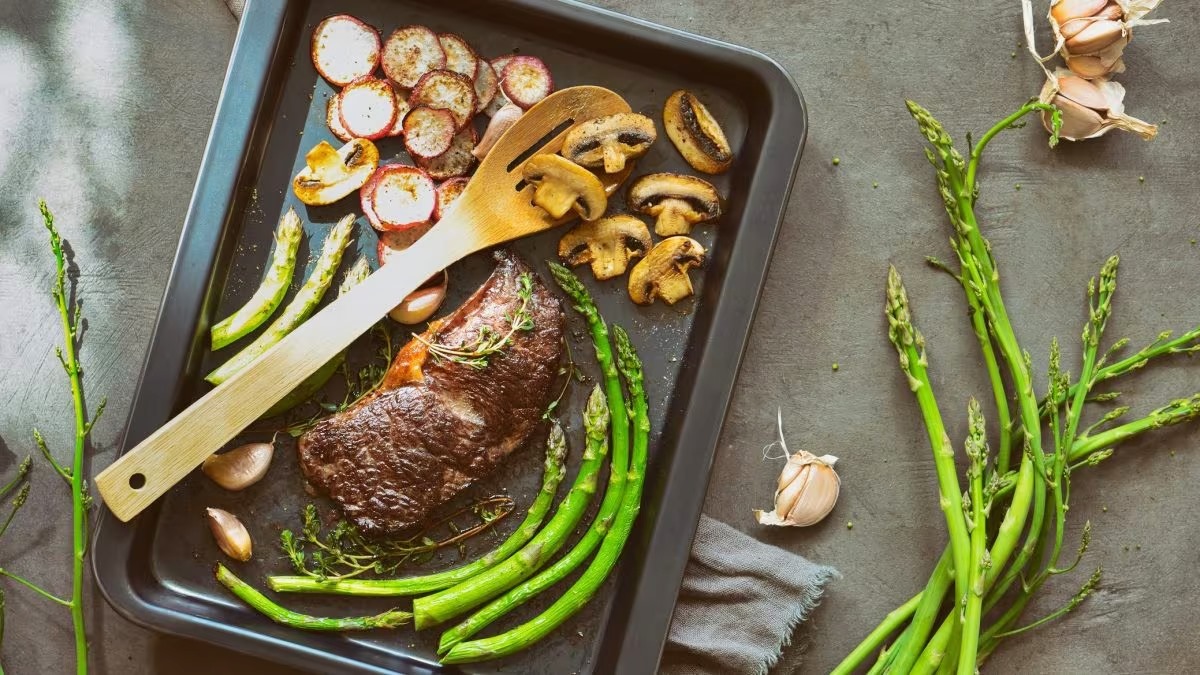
942, 629
518, 570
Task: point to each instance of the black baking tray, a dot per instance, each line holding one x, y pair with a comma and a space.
156, 570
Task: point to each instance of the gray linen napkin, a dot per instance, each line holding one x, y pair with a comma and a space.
741, 599
739, 604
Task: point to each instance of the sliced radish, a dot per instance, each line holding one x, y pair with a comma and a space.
455, 162
402, 197
428, 132
395, 241
368, 108
486, 85
499, 100
365, 196
333, 118
409, 53
449, 90
344, 49
460, 58
447, 192
525, 80
402, 108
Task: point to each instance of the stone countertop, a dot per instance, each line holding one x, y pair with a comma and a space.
106, 108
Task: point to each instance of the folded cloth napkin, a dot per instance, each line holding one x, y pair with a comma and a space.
740, 602
741, 599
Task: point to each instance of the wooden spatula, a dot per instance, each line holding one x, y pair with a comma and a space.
490, 211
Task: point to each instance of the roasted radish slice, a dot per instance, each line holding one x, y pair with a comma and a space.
368, 108
366, 197
393, 242
428, 132
333, 118
460, 58
402, 108
455, 162
402, 197
526, 80
447, 192
333, 174
486, 85
448, 90
409, 53
499, 100
344, 49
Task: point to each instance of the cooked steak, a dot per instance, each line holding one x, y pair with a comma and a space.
436, 424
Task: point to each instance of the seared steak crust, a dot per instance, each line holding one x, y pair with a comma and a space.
437, 425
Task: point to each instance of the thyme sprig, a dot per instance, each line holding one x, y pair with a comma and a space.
358, 383
489, 341
342, 552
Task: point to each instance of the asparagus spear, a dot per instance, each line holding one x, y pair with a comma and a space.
301, 307
433, 609
357, 274
274, 285
574, 598
556, 453
282, 615
605, 516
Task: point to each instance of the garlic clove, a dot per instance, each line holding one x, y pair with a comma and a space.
1065, 10
1078, 121
419, 305
808, 490
1092, 67
241, 467
1083, 92
231, 535
1096, 37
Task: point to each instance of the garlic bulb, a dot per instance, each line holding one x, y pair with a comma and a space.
1091, 34
1090, 108
808, 488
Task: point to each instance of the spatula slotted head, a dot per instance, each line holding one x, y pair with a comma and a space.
498, 202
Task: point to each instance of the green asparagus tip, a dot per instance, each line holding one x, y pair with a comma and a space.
596, 414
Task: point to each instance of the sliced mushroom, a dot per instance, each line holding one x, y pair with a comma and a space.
561, 185
608, 244
610, 141
663, 273
696, 133
677, 201
333, 174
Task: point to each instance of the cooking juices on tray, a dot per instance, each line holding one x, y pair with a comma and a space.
468, 391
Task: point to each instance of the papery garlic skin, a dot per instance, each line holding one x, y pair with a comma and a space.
807, 491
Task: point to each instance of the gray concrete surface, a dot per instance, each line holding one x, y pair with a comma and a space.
105, 108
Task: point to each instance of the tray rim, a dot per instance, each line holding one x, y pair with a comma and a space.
684, 485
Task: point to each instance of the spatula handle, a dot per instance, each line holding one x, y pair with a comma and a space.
144, 473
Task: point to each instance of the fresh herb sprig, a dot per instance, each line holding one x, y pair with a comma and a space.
488, 341
342, 552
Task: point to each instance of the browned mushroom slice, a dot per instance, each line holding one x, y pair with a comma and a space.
610, 141
561, 185
696, 133
677, 202
608, 244
332, 174
663, 273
